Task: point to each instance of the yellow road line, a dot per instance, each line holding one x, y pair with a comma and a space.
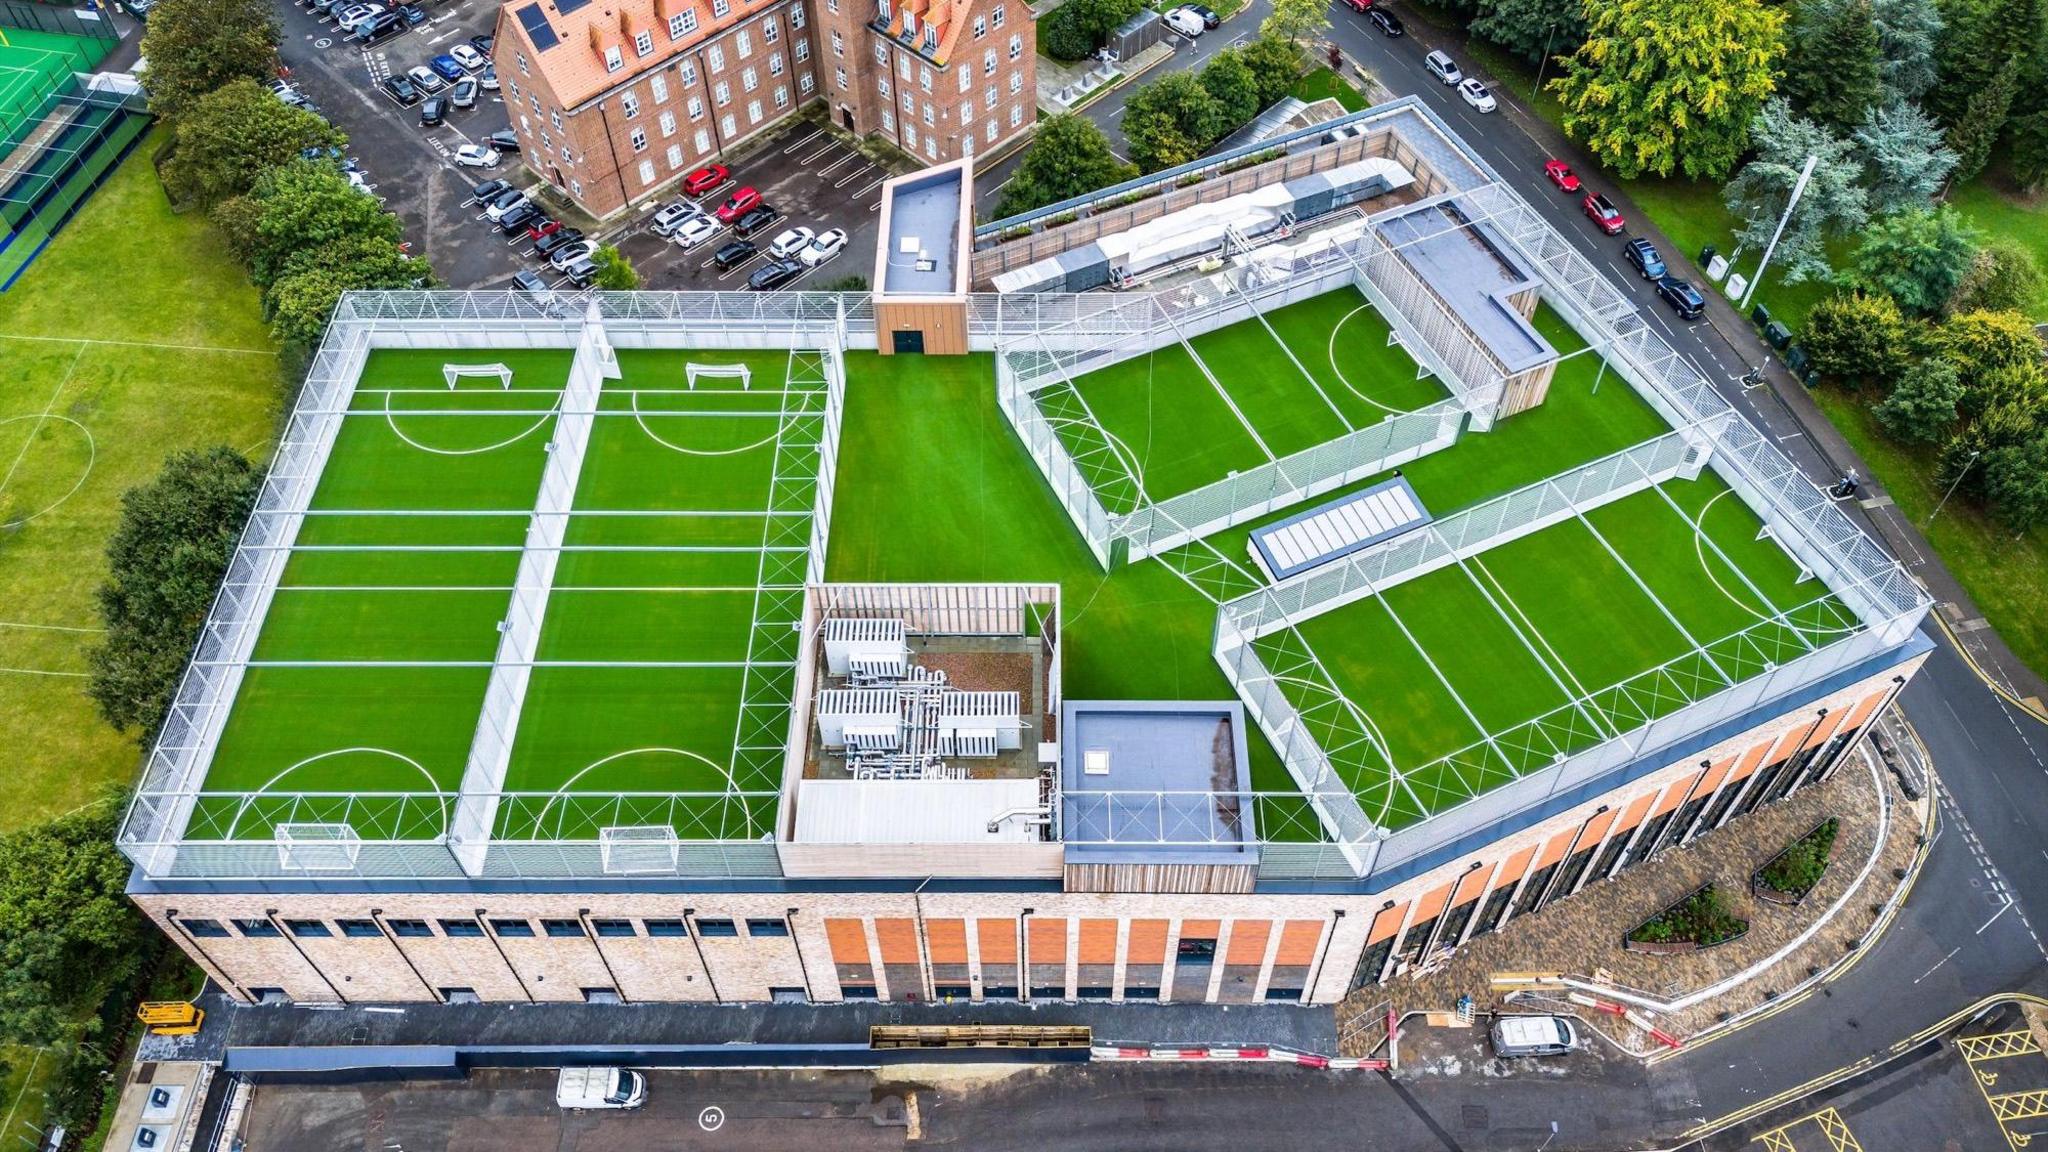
1978, 669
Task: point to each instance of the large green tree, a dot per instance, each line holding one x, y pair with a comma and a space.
1904, 157
1296, 21
1984, 115
1068, 157
1230, 80
1907, 32
1834, 64
1532, 28
1833, 203
227, 139
308, 204
1979, 39
1671, 85
1916, 257
196, 46
2029, 155
1074, 30
615, 273
164, 562
1171, 120
2016, 482
1922, 406
1856, 340
310, 282
66, 925
2003, 276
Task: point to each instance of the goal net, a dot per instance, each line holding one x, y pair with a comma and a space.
317, 847
624, 851
454, 373
741, 372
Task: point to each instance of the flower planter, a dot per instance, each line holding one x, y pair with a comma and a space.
1678, 928
1818, 842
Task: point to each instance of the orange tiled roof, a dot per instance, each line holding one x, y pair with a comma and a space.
574, 64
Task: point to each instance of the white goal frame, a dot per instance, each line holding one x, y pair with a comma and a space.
318, 847
638, 849
455, 372
693, 370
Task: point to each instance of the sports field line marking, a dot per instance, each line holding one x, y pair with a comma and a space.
1669, 615
1485, 733
27, 1079
1331, 348
400, 432
46, 672
1700, 536
1396, 778
29, 440
731, 786
1576, 700
639, 418
250, 798
139, 344
47, 627
1292, 358
92, 448
1228, 400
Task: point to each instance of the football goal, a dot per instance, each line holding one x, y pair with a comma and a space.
317, 847
630, 850
454, 373
744, 374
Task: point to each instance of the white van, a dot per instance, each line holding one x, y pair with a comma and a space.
1443, 67
1187, 22
600, 1088
1534, 1036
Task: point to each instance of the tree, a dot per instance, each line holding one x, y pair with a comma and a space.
227, 139
1532, 29
1670, 85
1834, 67
2016, 482
1922, 406
1229, 79
197, 46
1832, 205
1917, 257
1979, 39
311, 281
1982, 343
1904, 159
1275, 64
164, 561
66, 926
615, 273
1907, 31
308, 204
1074, 30
2003, 277
1068, 157
1855, 339
1296, 20
2029, 152
235, 218
1170, 121
1982, 119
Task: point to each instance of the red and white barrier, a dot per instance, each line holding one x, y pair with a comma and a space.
1241, 1054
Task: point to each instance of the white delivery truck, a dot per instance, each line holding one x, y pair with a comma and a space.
600, 1088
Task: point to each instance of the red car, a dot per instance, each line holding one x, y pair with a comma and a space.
1561, 174
738, 204
1358, 5
1600, 210
542, 228
705, 179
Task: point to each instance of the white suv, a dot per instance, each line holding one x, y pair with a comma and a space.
1443, 67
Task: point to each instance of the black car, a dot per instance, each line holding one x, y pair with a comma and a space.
1682, 296
504, 140
1643, 256
487, 191
734, 254
378, 29
433, 112
482, 44
402, 90
553, 242
1388, 23
1209, 17
755, 220
514, 222
774, 274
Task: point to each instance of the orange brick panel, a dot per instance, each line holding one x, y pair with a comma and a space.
1633, 814
1517, 864
947, 940
1048, 940
897, 937
1675, 794
1386, 924
1248, 942
849, 941
1300, 938
1430, 905
1200, 929
998, 941
1098, 942
1147, 942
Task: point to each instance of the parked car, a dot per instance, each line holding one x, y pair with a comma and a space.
434, 111
425, 79
1389, 24
1682, 296
1186, 21
600, 1088
482, 44
382, 28
1534, 1036
1477, 95
1210, 20
283, 90
477, 156
1643, 255
356, 15
1560, 173
531, 284
504, 140
414, 15
401, 89
555, 242
568, 254
542, 228
463, 95
739, 204
828, 244
774, 274
1359, 5
515, 219
446, 68
735, 254
1442, 67
672, 216
138, 8
695, 231
790, 242
755, 220
581, 272
488, 77
502, 203
487, 191
705, 179
470, 59
1600, 210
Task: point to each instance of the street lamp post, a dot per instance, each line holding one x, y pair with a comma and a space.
1549, 1138
1951, 489
1798, 190
1548, 35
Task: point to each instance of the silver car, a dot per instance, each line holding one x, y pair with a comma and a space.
1534, 1035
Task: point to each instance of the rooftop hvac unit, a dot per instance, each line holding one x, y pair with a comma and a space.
870, 711
877, 643
971, 743
993, 712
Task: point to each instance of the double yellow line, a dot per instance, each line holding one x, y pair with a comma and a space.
1977, 670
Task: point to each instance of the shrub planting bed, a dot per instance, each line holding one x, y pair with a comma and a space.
1787, 877
1700, 920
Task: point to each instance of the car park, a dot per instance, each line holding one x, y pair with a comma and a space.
487, 191
755, 220
531, 284
1560, 173
463, 95
488, 77
1643, 256
825, 246
1442, 67
1601, 211
380, 29
705, 179
1516, 1036
401, 89
739, 204
788, 243
672, 216
568, 254
517, 217
356, 15
469, 58
1389, 24
446, 68
735, 254
482, 43
1186, 21
774, 274
414, 15
556, 241
502, 203
695, 231
1477, 95
477, 156
426, 79
434, 112
1682, 296
504, 140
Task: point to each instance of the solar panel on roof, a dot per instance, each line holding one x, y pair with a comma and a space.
567, 6
537, 27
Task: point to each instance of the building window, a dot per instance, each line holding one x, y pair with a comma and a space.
679, 25
308, 929
910, 135
931, 37
639, 139
257, 929
687, 73
515, 929
714, 58
796, 15
612, 927
601, 996
775, 64
966, 79
728, 125
803, 51
703, 139
991, 133
409, 928
629, 105
1016, 47
980, 27
717, 927
909, 105
767, 926
839, 78
562, 928
614, 59
927, 115
668, 125
771, 31
931, 147
988, 98
882, 83
643, 43
744, 44
838, 43
988, 62
555, 117
753, 112
881, 54
903, 67
997, 15
857, 992
967, 112
803, 83
719, 8
882, 10
665, 928
722, 93
831, 6
359, 929
696, 110
924, 77
647, 171
749, 79
202, 927
575, 187
1016, 115
1016, 83
521, 58
659, 85
460, 996
675, 156
782, 96
888, 120
461, 929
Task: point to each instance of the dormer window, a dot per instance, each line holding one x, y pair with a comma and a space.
882, 7
613, 59
643, 43
719, 8
931, 38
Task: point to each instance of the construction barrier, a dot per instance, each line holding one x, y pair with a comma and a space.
1245, 1054
978, 1036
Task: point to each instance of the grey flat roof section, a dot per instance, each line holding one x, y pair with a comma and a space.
1193, 748
927, 211
1340, 527
1462, 264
